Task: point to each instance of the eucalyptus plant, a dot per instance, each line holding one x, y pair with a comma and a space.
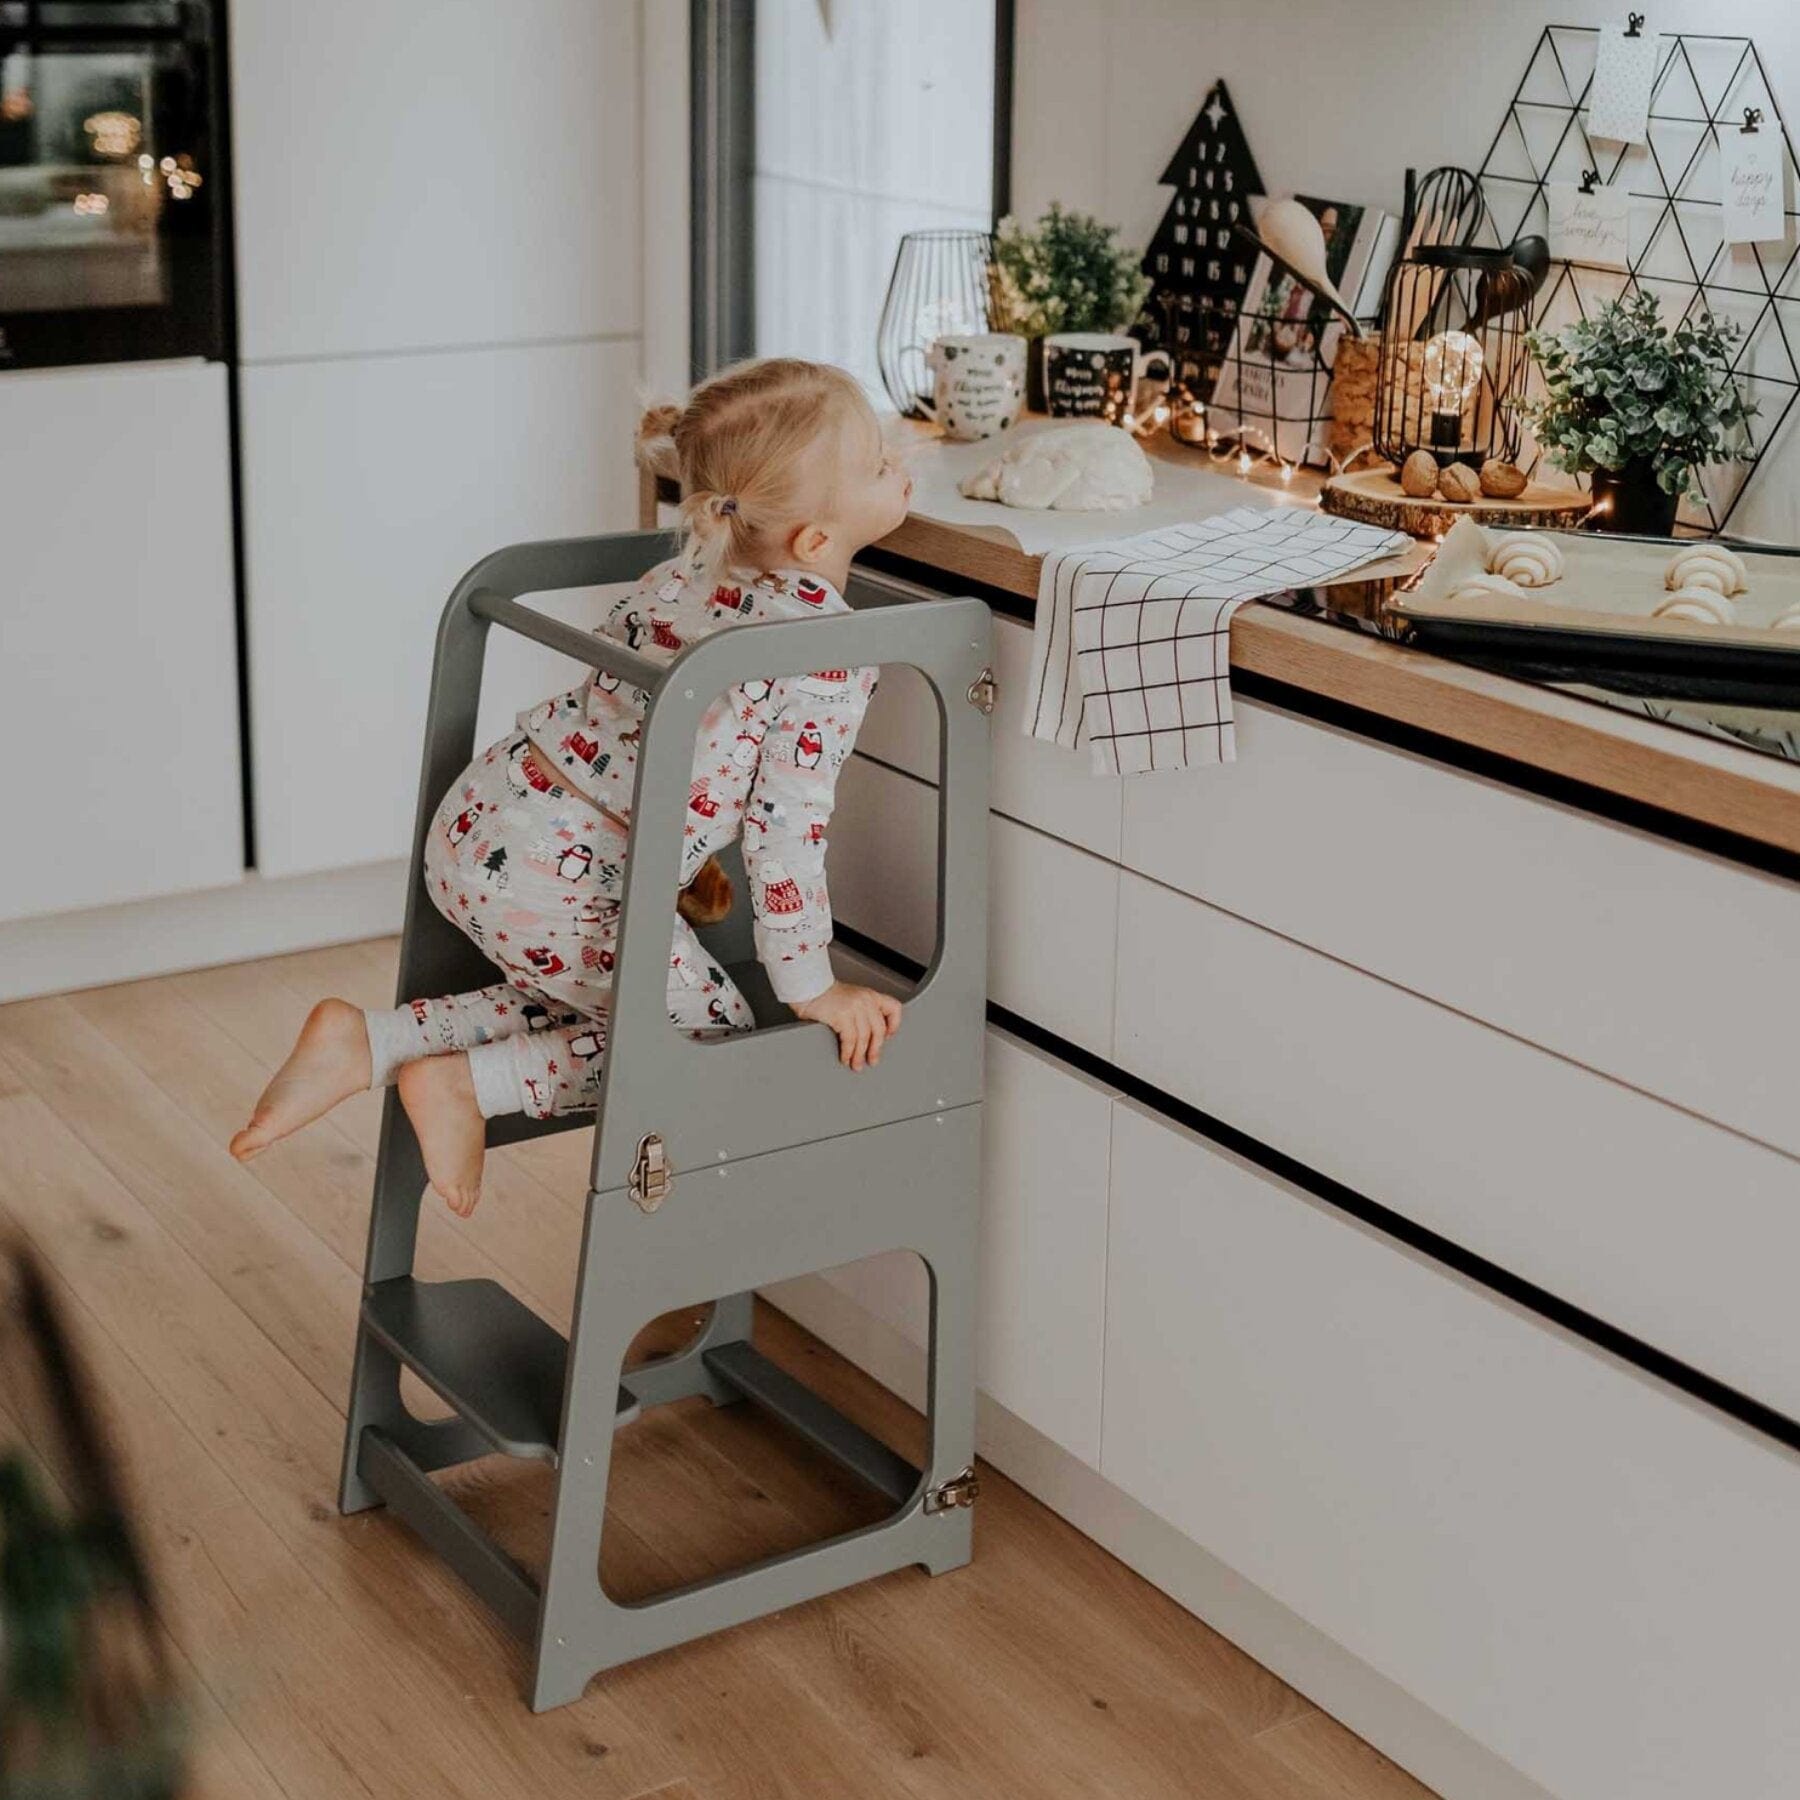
1624, 388
1067, 272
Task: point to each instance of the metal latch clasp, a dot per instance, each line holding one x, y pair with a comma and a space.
652, 1178
983, 691
960, 1490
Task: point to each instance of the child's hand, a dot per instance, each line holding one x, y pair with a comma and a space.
862, 1019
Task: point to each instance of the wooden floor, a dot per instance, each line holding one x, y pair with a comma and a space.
329, 1657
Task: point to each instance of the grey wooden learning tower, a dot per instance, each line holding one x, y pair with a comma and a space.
717, 1167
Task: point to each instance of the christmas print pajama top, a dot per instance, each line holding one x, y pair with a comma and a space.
526, 853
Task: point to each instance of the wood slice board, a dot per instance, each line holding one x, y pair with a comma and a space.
1373, 497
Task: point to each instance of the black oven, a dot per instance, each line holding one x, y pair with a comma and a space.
113, 212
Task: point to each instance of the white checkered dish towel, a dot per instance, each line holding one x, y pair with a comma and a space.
1132, 646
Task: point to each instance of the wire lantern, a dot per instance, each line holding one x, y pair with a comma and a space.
1453, 356
939, 288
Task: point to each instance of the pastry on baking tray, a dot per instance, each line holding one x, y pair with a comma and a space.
1706, 566
1699, 606
1487, 587
1527, 559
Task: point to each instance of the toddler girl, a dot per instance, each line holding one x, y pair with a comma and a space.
786, 478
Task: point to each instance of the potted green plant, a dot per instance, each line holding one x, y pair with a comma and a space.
1067, 272
1639, 407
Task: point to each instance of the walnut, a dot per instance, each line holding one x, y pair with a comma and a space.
1459, 483
1419, 475
1501, 480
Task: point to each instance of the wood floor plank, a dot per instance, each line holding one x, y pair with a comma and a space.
435, 1649
337, 1656
1339, 1762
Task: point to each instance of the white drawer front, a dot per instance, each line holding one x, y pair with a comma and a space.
1052, 910
1031, 781
1043, 1243
1589, 1575
1674, 971
1676, 1231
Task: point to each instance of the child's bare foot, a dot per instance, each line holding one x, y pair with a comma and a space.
439, 1096
328, 1063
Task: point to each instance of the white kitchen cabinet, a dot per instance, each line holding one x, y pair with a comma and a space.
1042, 1323
118, 680
1679, 1232
1052, 909
370, 486
413, 177
1043, 1243
1661, 966
1591, 1575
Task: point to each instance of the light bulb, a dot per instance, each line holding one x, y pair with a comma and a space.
1451, 372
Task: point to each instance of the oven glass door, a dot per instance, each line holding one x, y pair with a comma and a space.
111, 214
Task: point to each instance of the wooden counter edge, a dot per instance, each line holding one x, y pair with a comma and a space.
1696, 778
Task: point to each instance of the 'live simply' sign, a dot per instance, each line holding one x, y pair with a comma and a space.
1589, 225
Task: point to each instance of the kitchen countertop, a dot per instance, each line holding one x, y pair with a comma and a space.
1702, 782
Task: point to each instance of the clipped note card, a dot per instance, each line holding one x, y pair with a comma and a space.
1589, 227
1752, 185
1624, 74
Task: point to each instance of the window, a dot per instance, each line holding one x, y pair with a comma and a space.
825, 130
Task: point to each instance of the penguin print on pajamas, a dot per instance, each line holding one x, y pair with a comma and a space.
575, 862
717, 1011
809, 746
464, 822
586, 1046
637, 628
756, 691
537, 1018
606, 681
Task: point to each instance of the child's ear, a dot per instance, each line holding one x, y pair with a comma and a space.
809, 543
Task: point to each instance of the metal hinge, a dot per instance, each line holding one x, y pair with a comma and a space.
652, 1178
983, 691
959, 1490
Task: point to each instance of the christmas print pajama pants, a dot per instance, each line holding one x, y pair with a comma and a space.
534, 879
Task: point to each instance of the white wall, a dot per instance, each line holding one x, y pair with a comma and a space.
1335, 97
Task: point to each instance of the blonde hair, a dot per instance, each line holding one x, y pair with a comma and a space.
740, 444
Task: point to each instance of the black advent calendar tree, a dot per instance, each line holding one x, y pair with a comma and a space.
1197, 263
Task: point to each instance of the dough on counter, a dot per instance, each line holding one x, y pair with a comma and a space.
1487, 587
1527, 558
1706, 566
1085, 467
1699, 606
1787, 621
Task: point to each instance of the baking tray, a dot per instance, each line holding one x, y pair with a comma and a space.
1598, 626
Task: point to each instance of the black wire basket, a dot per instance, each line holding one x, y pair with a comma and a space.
939, 288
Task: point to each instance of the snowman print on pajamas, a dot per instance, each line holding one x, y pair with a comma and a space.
746, 750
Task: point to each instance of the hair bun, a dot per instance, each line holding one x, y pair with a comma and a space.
656, 437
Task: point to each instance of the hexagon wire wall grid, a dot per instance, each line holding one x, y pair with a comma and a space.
1703, 85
